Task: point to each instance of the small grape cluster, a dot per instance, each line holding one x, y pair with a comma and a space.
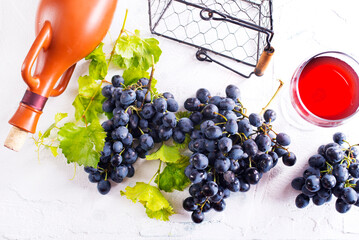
231, 151
140, 119
333, 171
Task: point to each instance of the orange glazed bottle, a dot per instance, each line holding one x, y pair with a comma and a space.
67, 31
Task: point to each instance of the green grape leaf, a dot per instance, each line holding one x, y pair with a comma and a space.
151, 198
54, 151
133, 74
173, 177
58, 118
98, 66
133, 51
168, 154
82, 145
183, 114
183, 145
88, 102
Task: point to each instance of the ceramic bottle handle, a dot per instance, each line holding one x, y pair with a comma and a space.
42, 41
63, 82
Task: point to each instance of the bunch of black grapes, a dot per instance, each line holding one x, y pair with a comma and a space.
231, 151
139, 120
333, 171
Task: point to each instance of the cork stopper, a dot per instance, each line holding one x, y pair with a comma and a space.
15, 139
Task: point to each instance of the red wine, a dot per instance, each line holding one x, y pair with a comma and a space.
329, 88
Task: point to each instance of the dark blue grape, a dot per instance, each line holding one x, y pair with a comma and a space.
203, 95
90, 169
169, 120
210, 189
312, 183
103, 186
196, 134
199, 161
255, 119
131, 170
354, 170
317, 200
196, 118
244, 127
244, 185
146, 142
222, 164
114, 177
206, 124
107, 125
298, 183
339, 138
349, 195
302, 201
185, 125
143, 81
252, 175
210, 145
269, 115
311, 171
215, 100
121, 171
192, 104
219, 206
94, 177
229, 115
324, 193
148, 111
250, 147
280, 152
133, 122
227, 104
168, 95
263, 142
274, 157
225, 144
143, 124
340, 172
157, 119
108, 105
283, 139
233, 92
328, 181
265, 163
321, 150
178, 136
107, 91
107, 149
128, 140
213, 132
189, 204
210, 111
196, 176
334, 154
121, 118
160, 105
289, 159
164, 133
129, 156
172, 105
117, 81
116, 160
341, 206
317, 161
231, 126
338, 189
307, 192
127, 97
236, 152
197, 216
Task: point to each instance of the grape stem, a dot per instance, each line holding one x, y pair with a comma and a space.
149, 81
275, 94
118, 38
157, 173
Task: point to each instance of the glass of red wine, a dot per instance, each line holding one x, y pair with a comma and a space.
324, 89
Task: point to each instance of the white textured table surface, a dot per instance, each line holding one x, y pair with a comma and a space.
38, 201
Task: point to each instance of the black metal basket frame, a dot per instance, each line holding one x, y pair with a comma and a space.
208, 14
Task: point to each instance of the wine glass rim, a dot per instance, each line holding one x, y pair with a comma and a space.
299, 72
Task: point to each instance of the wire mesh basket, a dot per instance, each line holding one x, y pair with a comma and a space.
240, 30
